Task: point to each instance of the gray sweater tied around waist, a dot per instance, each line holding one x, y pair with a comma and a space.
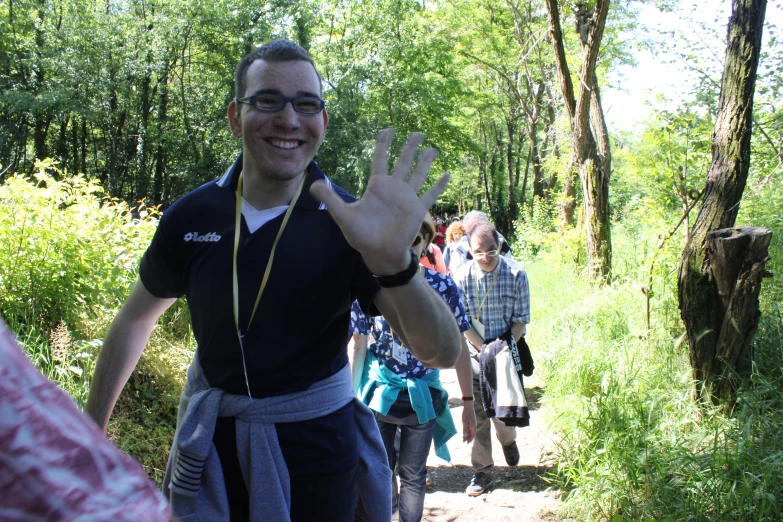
194, 477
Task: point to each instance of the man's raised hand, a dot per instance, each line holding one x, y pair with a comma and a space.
384, 222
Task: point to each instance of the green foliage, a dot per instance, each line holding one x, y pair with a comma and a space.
143, 106
67, 255
69, 259
386, 64
540, 235
665, 163
139, 113
631, 442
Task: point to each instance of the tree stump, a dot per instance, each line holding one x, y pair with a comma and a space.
735, 261
721, 267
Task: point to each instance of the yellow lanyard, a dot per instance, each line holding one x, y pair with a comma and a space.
481, 304
237, 230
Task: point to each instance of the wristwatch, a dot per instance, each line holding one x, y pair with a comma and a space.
400, 278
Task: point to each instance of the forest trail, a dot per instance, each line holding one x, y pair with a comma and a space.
518, 494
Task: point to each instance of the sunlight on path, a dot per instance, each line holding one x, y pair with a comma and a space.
518, 494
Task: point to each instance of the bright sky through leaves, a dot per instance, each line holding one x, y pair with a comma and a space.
634, 88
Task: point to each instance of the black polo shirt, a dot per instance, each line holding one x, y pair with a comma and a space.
300, 331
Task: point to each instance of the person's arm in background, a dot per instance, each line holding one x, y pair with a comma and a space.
465, 380
124, 343
474, 338
359, 327
518, 330
453, 297
357, 354
520, 317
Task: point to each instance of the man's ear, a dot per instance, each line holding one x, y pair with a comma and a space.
234, 119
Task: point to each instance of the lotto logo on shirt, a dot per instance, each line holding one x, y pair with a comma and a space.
210, 237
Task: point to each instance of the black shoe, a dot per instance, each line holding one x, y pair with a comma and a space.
478, 484
511, 452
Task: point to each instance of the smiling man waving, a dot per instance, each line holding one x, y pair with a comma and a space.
268, 428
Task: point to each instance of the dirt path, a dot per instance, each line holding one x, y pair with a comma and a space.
518, 494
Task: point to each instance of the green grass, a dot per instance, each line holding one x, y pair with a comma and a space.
631, 442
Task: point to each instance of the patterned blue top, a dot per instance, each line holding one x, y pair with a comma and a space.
405, 363
359, 324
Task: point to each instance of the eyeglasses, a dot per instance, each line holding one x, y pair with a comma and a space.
417, 240
482, 255
276, 103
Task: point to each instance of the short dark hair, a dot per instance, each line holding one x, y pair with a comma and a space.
484, 231
274, 51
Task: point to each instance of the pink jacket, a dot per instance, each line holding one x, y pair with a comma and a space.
55, 463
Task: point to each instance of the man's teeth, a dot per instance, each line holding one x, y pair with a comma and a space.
285, 144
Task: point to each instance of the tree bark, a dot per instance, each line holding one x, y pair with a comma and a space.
598, 127
569, 196
142, 138
42, 116
589, 163
511, 201
160, 153
718, 284
535, 157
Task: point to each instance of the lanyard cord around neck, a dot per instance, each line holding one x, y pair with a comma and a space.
237, 230
481, 304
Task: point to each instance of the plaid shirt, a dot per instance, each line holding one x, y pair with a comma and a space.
508, 300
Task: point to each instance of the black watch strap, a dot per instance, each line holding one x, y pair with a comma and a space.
400, 278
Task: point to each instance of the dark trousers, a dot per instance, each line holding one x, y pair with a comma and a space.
313, 496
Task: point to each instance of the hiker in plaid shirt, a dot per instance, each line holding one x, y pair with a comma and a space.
496, 298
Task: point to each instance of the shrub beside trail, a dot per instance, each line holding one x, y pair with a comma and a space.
631, 442
69, 258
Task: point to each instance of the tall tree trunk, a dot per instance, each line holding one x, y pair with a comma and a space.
511, 201
569, 195
589, 164
74, 147
160, 153
42, 117
113, 117
517, 174
549, 121
61, 145
535, 160
485, 179
524, 183
497, 214
598, 127
719, 284
84, 145
142, 176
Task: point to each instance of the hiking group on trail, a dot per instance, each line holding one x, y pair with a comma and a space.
274, 423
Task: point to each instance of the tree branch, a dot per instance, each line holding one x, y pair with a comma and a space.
563, 72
